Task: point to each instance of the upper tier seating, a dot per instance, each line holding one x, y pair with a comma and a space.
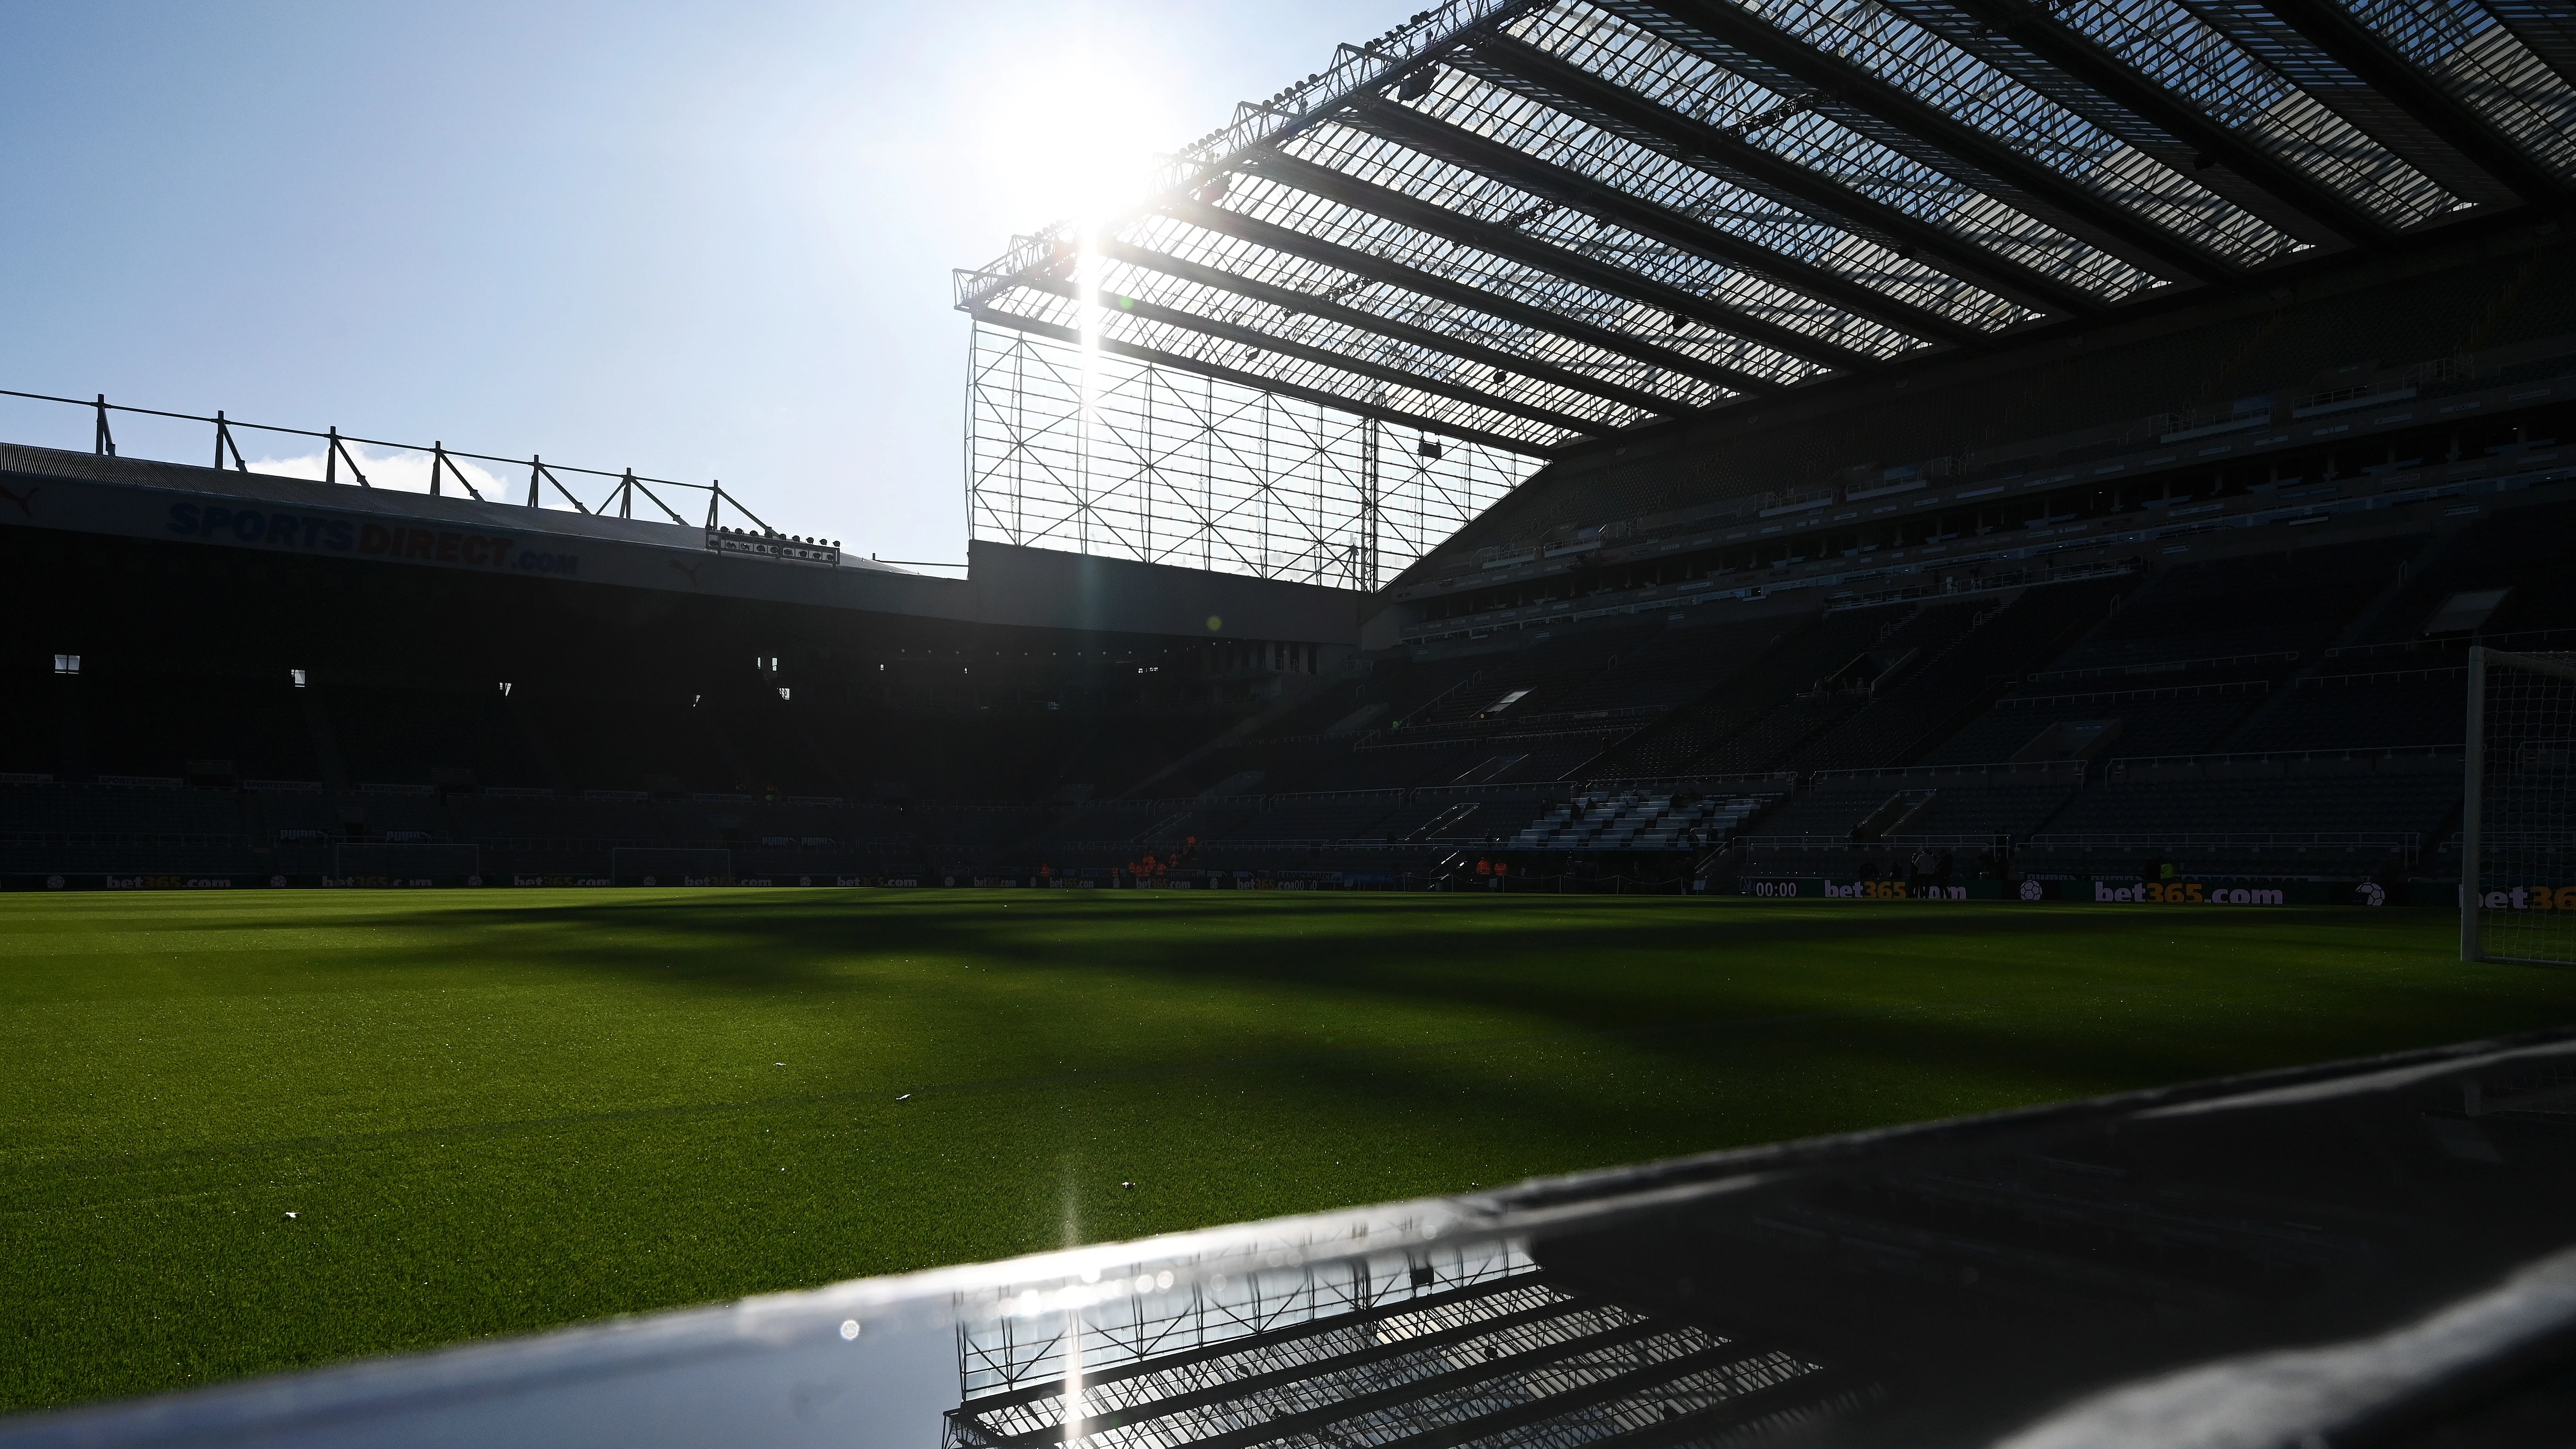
2523, 551
2291, 602
1894, 804
2189, 655
2363, 711
1636, 820
1965, 658
2148, 724
2418, 803
1757, 713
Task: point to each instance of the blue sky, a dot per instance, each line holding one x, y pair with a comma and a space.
701, 240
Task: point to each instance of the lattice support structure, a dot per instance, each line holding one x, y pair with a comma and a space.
2518, 815
1090, 452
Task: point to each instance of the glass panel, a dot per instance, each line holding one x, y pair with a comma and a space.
1399, 305
1907, 56
1695, 87
2170, 46
2482, 64
1613, 161
2326, 1254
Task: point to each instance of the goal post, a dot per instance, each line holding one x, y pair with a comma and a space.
2518, 809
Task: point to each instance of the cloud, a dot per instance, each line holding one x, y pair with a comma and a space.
405, 471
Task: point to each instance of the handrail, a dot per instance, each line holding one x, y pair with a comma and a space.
2369, 752
335, 454
2384, 676
2409, 839
1787, 780
2516, 639
1844, 841
2163, 666
2218, 690
1990, 767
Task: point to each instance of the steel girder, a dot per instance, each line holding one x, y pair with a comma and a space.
1741, 40
2547, 27
2338, 32
2038, 48
1506, 241
1310, 304
1261, 341
2273, 42
1508, 61
1823, 186
1364, 264
1571, 188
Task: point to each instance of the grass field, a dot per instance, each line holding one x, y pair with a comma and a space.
490, 1112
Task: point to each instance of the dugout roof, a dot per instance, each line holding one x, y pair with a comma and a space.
1530, 222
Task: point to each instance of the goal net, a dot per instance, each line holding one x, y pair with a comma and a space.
2518, 819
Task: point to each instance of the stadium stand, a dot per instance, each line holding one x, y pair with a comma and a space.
1991, 450
2197, 592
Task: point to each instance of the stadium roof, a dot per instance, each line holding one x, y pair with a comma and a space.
1529, 222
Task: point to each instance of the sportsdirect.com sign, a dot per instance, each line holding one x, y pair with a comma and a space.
320, 533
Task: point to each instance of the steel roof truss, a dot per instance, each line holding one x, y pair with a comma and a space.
2329, 83
2145, 112
1601, 157
1850, 148
1583, 193
1503, 241
1905, 122
1326, 343
1312, 305
2368, 55
1359, 263
1545, 353
1489, 274
2547, 28
1256, 338
1509, 61
1513, 212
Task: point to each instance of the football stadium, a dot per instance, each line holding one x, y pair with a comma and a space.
1669, 722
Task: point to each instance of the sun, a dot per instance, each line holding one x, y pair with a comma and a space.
1077, 140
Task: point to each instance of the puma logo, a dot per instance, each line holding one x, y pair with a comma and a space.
22, 499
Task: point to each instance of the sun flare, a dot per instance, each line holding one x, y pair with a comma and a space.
1079, 141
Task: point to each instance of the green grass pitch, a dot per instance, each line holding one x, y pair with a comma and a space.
490, 1112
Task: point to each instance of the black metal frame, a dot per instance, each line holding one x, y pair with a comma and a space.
1618, 210
442, 464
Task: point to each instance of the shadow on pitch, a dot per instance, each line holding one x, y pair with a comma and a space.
1950, 992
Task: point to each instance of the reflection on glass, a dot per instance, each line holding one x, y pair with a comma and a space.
1466, 1341
2379, 1250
